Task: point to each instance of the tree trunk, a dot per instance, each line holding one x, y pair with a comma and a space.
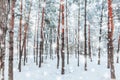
58, 37
89, 44
85, 38
118, 49
42, 36
110, 39
51, 51
3, 29
67, 38
101, 21
20, 30
34, 48
78, 32
62, 36
11, 34
37, 48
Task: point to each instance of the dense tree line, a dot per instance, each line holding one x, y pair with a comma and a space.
46, 33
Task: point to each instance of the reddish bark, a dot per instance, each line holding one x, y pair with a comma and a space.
11, 36
89, 43
62, 36
110, 39
42, 37
58, 37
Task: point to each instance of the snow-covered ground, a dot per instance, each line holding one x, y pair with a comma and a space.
48, 71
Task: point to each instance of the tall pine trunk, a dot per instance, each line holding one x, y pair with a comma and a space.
85, 37
62, 36
11, 36
78, 31
51, 51
67, 38
118, 50
110, 39
26, 26
37, 47
34, 48
58, 37
42, 37
20, 32
89, 44
3, 29
100, 36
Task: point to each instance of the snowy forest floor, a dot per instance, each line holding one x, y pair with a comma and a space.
48, 71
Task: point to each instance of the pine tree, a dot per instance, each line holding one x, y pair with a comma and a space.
58, 37
4, 11
34, 48
100, 36
78, 32
11, 34
20, 32
67, 38
110, 39
85, 37
62, 36
89, 43
42, 36
118, 49
26, 27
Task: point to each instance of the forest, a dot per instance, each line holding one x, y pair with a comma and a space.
59, 40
